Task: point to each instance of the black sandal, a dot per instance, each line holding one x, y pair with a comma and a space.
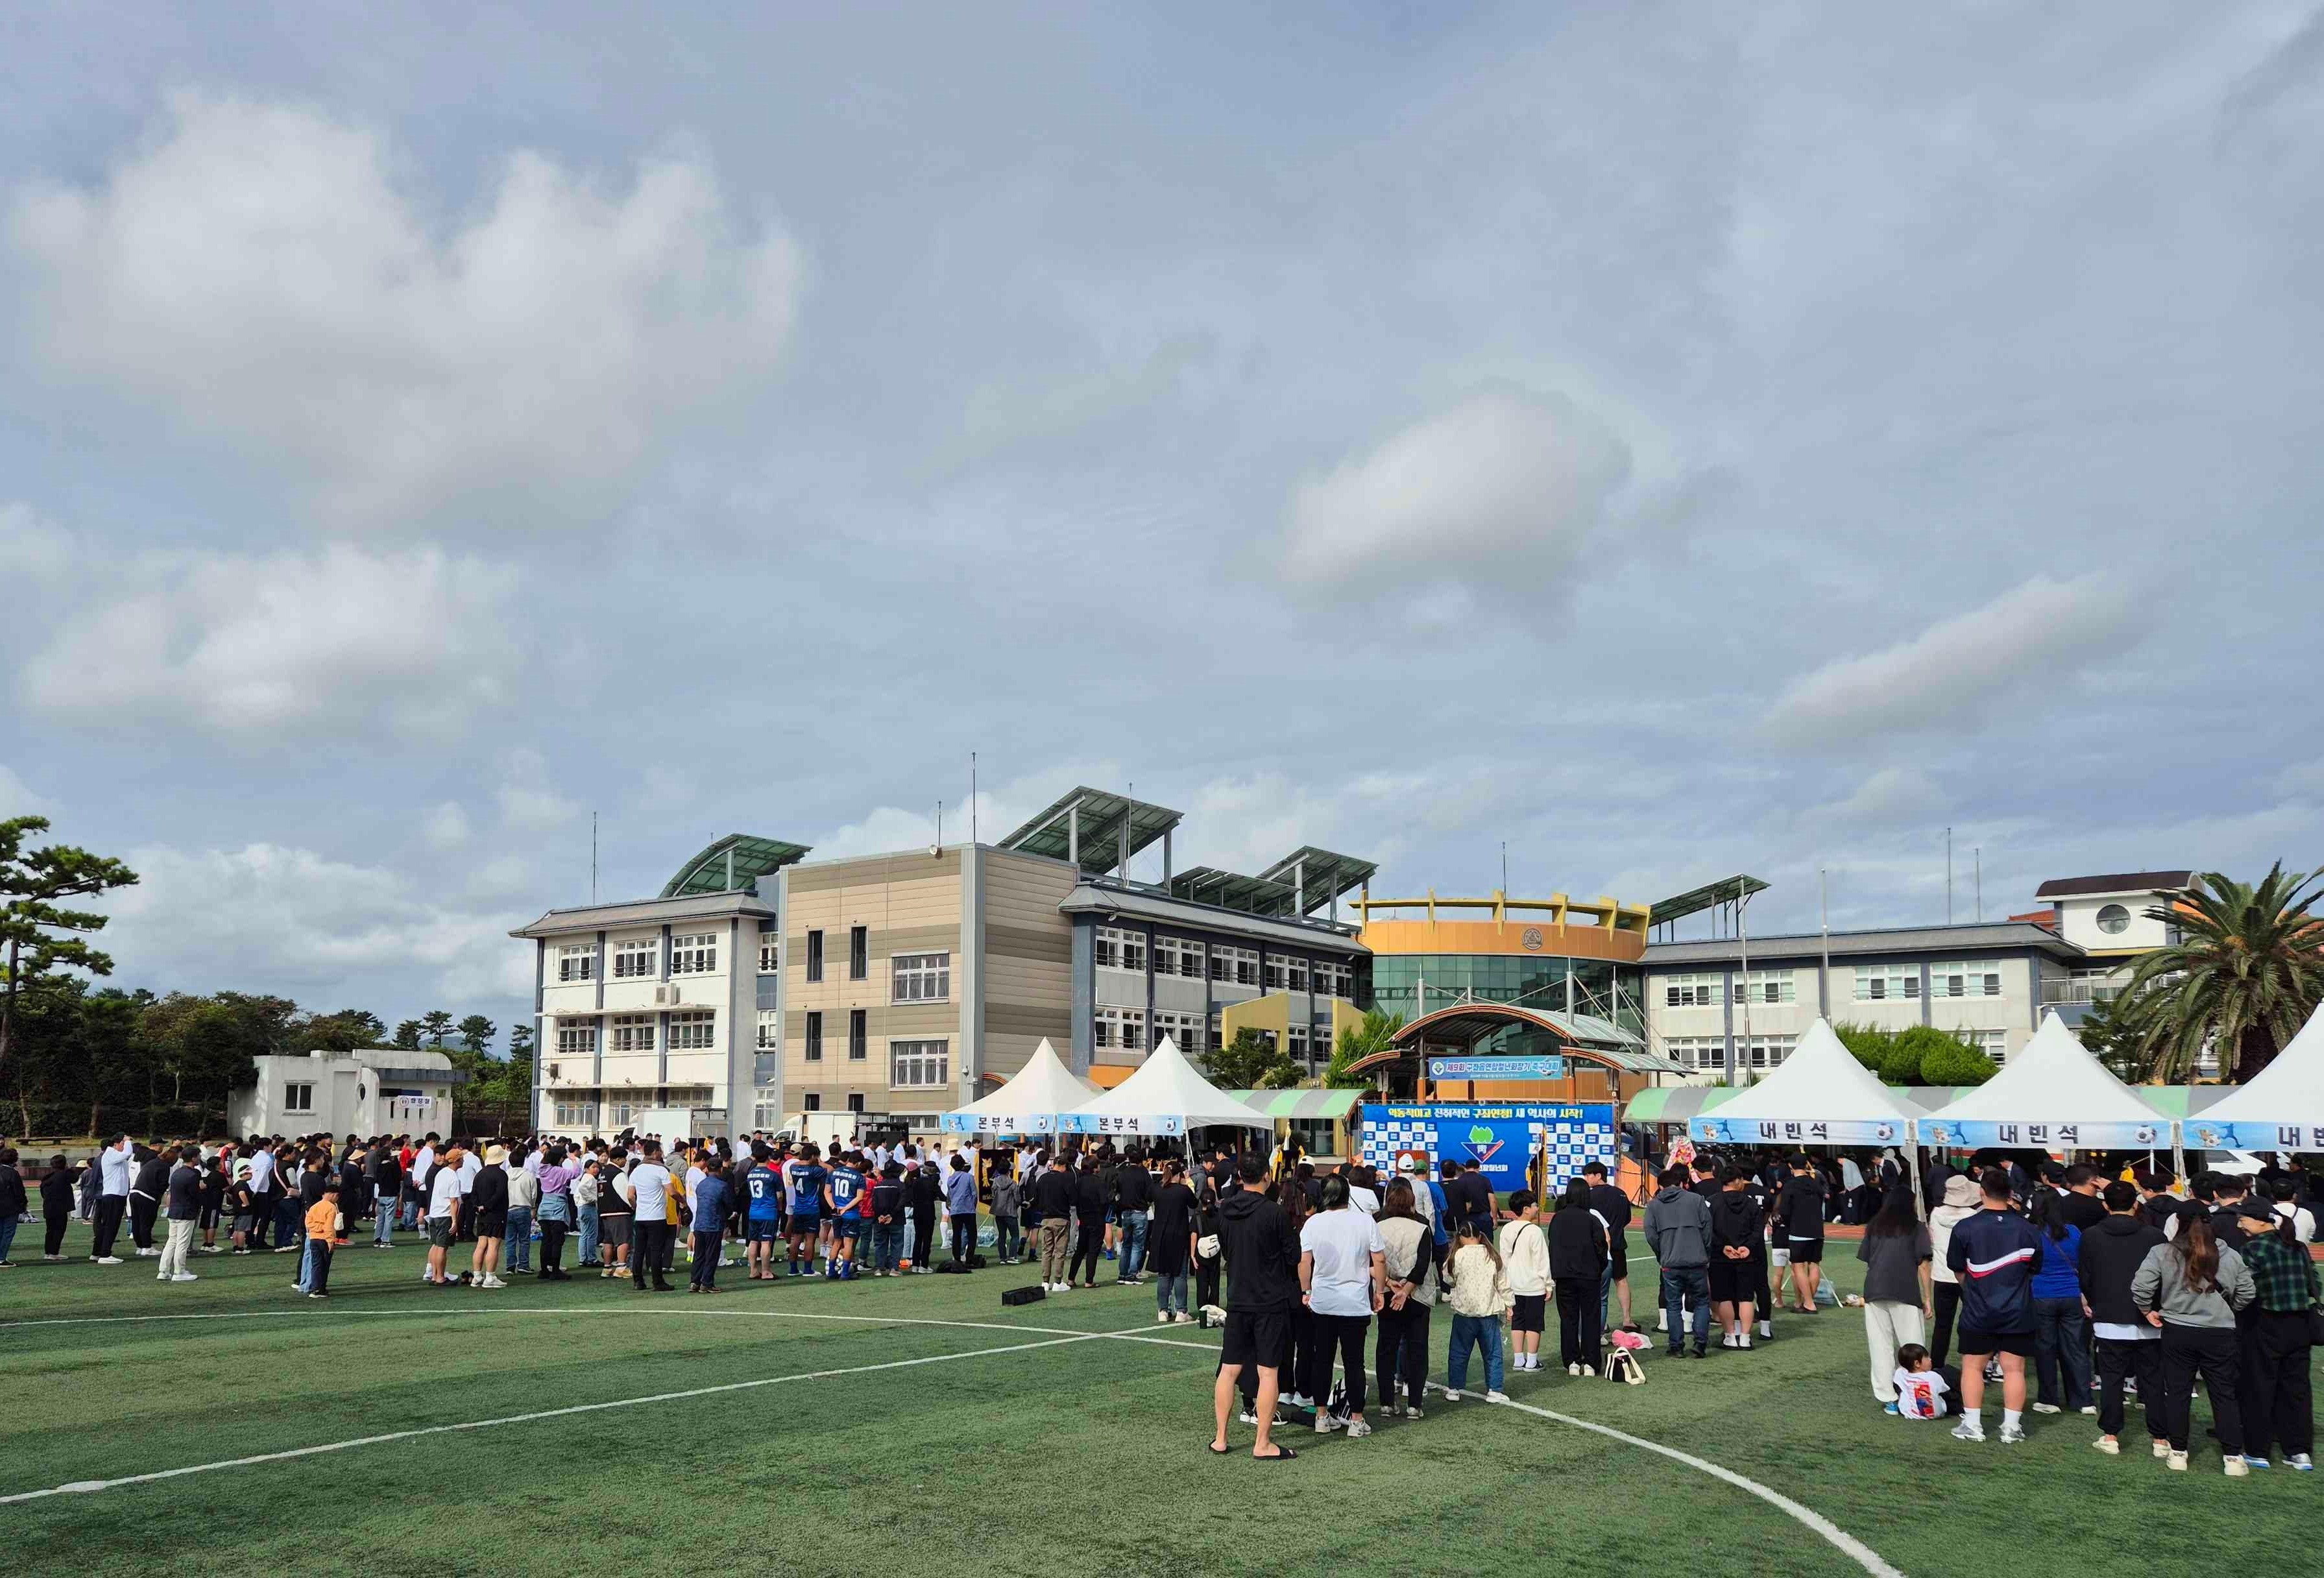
1281, 1453
1218, 1450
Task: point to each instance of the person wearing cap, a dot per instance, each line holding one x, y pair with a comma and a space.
444, 1191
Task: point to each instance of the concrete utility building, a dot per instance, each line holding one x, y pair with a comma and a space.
373, 1090
763, 982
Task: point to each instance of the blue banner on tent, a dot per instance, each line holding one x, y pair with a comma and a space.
1498, 1138
1972, 1133
1497, 1069
2254, 1135
1000, 1123
1713, 1129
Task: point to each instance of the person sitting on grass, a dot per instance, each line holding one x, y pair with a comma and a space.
1925, 1389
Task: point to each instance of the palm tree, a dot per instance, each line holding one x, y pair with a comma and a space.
2247, 971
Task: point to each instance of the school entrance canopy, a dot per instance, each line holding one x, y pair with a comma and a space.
1166, 1096
2282, 1108
1822, 1095
1029, 1103
2053, 1092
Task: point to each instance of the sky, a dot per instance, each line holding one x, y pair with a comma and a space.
1667, 442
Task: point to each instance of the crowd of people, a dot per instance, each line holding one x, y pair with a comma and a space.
2103, 1291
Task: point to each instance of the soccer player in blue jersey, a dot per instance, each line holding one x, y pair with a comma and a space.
763, 1186
843, 1193
807, 1181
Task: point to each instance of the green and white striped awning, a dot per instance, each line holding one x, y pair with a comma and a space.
1299, 1103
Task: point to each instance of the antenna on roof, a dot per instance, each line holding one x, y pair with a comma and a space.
592, 857
972, 796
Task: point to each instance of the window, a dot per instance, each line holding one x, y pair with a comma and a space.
576, 1037
576, 962
811, 1103
919, 1064
770, 1034
765, 1113
1185, 1028
691, 1032
1296, 1043
1335, 980
696, 953
633, 1032
637, 956
1235, 966
854, 1100
1697, 991
1698, 1051
1958, 980
1295, 973
815, 955
1770, 986
1879, 983
1271, 974
859, 953
2114, 919
1993, 1044
922, 977
298, 1098
813, 1036
859, 1030
1121, 1026
770, 959
576, 1114
1178, 955
1121, 950
1764, 1051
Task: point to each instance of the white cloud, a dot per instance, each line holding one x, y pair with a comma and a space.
17, 798
2030, 638
1890, 796
326, 640
272, 918
32, 550
525, 798
445, 827
267, 275
1503, 482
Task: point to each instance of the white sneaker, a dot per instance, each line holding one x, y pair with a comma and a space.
106, 1259
1969, 1429
2045, 1408
1729, 1341
1574, 1370
1744, 1342
1496, 1396
1326, 1423
2179, 1462
1766, 1329
1412, 1413
1358, 1429
149, 1254
2109, 1445
2236, 1467
2162, 1449
2011, 1434
185, 1276
1451, 1395
2301, 1462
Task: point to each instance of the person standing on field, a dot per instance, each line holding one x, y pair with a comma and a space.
1994, 1253
1262, 1258
183, 1202
444, 1191
1800, 1213
650, 1233
1053, 1196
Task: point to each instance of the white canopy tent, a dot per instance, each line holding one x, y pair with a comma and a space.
2282, 1108
2052, 1093
1031, 1102
1166, 1096
1822, 1095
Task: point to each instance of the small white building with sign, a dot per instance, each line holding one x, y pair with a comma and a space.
373, 1090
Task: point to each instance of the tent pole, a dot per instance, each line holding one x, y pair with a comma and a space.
1913, 1165
2178, 1153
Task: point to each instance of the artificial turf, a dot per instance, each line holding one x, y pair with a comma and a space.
1071, 1457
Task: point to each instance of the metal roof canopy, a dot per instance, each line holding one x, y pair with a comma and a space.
1317, 877
1731, 889
1234, 890
732, 866
1096, 830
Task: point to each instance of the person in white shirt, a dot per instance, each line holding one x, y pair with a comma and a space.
1524, 1256
2284, 1204
1343, 1279
116, 1167
649, 1187
446, 1187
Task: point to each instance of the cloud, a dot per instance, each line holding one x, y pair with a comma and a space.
1505, 485
525, 798
17, 798
2027, 638
266, 274
269, 918
32, 550
1890, 796
445, 827
330, 640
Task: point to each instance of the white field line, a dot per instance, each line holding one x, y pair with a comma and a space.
1808, 1517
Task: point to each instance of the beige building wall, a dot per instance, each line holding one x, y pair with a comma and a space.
1027, 961
908, 903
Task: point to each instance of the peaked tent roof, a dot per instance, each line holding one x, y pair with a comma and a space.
2053, 1082
1166, 1096
2288, 1093
1821, 1087
1029, 1103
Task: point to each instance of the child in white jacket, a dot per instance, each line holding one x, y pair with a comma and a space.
1524, 1256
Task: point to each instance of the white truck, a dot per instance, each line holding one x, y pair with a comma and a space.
825, 1129
671, 1124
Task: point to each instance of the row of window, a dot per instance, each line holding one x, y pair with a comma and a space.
1709, 1052
1118, 948
581, 1108
639, 958
911, 977
859, 953
693, 1030
1873, 983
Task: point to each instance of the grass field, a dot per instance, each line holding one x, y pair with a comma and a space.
830, 1425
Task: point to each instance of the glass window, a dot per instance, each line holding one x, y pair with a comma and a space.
691, 1032
633, 1032
1883, 983
1119, 949
859, 953
815, 955
1699, 989
576, 1037
770, 1032
922, 977
1771, 986
298, 1098
919, 1064
1121, 1026
695, 954
637, 957
1238, 966
859, 1023
1965, 979
854, 1100
814, 1035
2114, 920
811, 1103
770, 954
576, 962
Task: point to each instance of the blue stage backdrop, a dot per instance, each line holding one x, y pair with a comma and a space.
1502, 1138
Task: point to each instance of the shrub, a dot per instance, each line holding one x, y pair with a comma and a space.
1957, 1063
1869, 1045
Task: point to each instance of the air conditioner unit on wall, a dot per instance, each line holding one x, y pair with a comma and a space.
668, 996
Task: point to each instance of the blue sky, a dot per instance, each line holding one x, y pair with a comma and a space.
1673, 441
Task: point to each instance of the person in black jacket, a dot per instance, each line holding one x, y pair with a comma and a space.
12, 1202
387, 1189
1578, 1247
1262, 1260
2108, 1257
153, 1181
1053, 1199
1614, 1207
1089, 1220
1738, 1258
922, 1190
57, 1206
1799, 1226
1133, 1204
